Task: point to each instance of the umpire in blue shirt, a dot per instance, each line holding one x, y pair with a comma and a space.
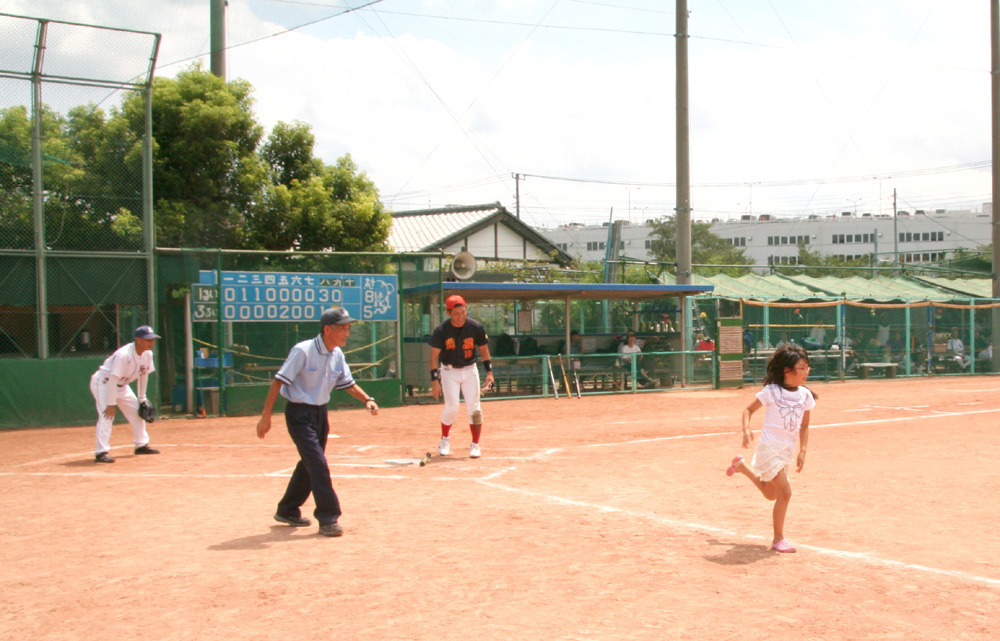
313, 368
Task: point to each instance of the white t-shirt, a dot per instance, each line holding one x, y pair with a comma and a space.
625, 349
783, 412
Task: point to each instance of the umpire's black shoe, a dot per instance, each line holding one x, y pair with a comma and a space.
145, 449
103, 457
331, 529
294, 521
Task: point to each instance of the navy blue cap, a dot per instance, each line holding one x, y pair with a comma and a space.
145, 331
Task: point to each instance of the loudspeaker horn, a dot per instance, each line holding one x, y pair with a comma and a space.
463, 266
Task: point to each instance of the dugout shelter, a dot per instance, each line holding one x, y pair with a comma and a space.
537, 318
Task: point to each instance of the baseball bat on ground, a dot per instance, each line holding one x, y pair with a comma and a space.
576, 378
552, 375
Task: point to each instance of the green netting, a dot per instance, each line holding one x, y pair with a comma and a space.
231, 359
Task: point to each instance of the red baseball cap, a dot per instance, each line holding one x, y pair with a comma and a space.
454, 301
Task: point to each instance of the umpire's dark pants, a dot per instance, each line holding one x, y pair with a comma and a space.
309, 428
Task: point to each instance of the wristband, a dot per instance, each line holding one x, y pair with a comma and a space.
488, 366
369, 400
435, 375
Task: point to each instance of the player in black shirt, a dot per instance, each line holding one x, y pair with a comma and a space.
454, 344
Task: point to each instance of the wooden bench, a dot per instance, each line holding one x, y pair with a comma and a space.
865, 369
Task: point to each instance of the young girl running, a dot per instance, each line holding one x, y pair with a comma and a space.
787, 403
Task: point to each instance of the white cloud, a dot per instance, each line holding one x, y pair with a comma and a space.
440, 106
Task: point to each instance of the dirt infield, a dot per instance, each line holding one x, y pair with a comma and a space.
594, 518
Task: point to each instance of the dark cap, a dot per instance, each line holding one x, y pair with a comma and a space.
454, 301
336, 316
145, 331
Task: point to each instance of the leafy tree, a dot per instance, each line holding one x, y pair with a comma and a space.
206, 171
337, 210
706, 247
89, 196
15, 178
215, 184
834, 265
288, 153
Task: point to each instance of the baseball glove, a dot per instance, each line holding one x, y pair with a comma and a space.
147, 412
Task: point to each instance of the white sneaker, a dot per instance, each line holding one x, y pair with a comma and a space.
444, 447
474, 450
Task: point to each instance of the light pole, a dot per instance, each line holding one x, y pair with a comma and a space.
855, 201
895, 231
750, 201
630, 203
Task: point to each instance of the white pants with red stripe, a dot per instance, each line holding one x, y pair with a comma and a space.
455, 380
128, 403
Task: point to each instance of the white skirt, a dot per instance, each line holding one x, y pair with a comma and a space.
771, 457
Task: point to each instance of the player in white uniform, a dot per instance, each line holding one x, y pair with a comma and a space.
110, 387
453, 370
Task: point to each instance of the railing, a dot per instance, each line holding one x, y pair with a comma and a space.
550, 375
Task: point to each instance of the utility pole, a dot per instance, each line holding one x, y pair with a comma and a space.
217, 32
683, 221
995, 204
517, 194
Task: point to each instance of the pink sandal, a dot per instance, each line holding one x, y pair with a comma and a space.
732, 468
783, 546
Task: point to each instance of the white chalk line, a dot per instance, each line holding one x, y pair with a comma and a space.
684, 525
867, 557
814, 426
108, 474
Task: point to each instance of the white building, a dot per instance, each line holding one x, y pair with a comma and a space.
589, 243
916, 237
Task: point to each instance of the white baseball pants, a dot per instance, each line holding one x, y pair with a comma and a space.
128, 403
453, 381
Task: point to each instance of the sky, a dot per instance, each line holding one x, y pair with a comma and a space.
797, 107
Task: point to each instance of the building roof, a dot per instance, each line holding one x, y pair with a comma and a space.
435, 229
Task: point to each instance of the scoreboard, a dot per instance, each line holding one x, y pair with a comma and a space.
292, 296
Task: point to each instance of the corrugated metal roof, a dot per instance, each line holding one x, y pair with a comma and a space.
775, 286
421, 231
971, 287
880, 288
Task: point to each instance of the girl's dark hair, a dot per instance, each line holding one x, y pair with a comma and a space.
788, 355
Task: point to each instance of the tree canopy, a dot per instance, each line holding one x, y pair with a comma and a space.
706, 247
217, 181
